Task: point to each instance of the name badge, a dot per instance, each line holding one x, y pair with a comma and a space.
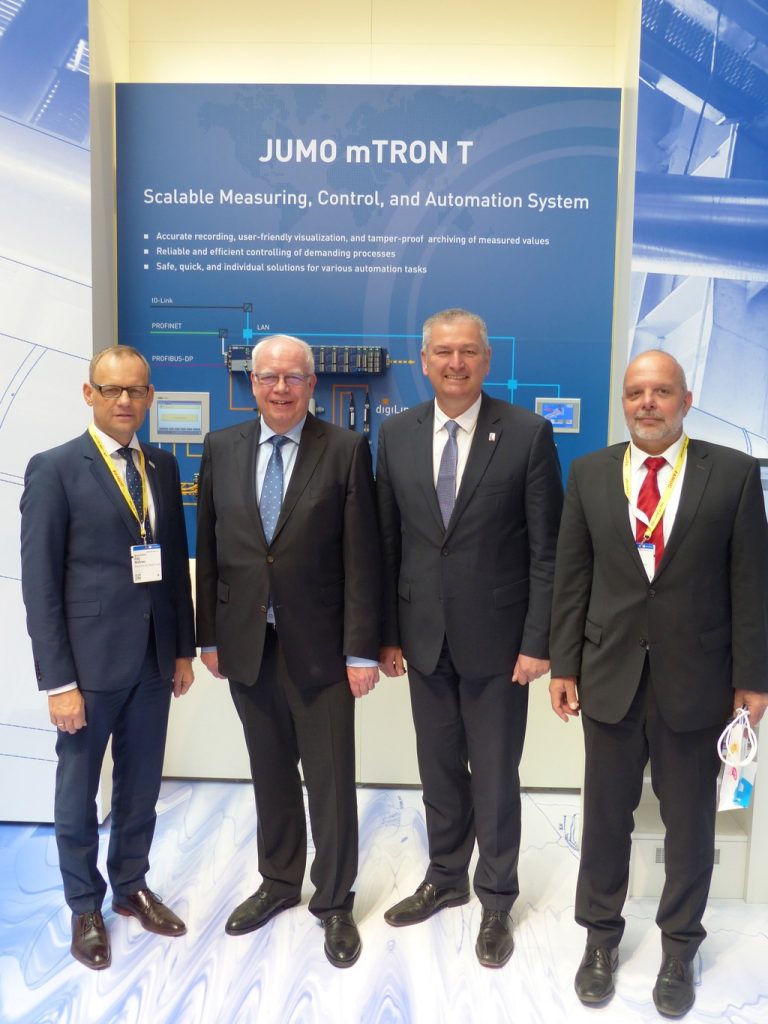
647, 552
146, 563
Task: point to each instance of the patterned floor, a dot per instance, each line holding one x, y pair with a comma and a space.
204, 863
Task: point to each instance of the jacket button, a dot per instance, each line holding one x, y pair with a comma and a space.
444, 552
262, 608
651, 593
146, 616
643, 642
270, 559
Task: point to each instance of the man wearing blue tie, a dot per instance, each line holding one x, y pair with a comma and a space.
288, 612
469, 497
112, 627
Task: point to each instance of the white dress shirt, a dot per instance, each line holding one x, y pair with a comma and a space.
467, 423
638, 472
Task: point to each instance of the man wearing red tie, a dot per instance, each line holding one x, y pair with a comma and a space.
659, 631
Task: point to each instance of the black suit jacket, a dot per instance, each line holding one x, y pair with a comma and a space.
702, 620
322, 567
485, 582
89, 622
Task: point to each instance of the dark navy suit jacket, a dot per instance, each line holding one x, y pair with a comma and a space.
88, 621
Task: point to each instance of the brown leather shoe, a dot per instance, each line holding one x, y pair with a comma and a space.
90, 941
149, 910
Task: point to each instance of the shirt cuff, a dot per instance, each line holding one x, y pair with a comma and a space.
60, 689
353, 662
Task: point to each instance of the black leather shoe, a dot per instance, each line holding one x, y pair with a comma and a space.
254, 912
90, 942
594, 978
494, 944
342, 940
150, 912
673, 992
425, 902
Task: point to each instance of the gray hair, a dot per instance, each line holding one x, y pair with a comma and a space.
449, 316
306, 349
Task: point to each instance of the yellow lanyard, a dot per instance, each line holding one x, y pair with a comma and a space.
664, 499
121, 482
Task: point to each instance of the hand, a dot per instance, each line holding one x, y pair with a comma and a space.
391, 661
564, 697
67, 711
183, 676
527, 669
361, 680
756, 703
211, 661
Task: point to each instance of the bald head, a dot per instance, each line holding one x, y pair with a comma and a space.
656, 400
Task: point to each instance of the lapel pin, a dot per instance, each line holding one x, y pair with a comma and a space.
151, 463
491, 437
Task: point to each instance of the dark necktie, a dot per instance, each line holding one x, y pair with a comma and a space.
133, 483
446, 474
647, 500
271, 500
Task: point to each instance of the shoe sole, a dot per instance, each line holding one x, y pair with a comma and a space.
255, 927
458, 901
147, 925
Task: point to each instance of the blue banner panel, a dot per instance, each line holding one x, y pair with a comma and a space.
348, 214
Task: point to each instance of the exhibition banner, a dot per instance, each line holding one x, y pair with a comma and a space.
348, 214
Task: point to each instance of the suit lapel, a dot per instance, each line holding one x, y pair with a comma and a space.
313, 444
619, 511
106, 481
246, 457
698, 466
488, 430
423, 444
153, 485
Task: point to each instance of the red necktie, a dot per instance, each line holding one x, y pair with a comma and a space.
647, 500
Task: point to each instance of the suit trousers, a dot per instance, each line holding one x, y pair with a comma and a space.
285, 724
469, 740
137, 720
684, 770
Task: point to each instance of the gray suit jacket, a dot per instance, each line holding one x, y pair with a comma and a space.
485, 582
702, 620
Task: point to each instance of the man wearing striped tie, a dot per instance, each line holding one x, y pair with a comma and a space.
288, 611
659, 631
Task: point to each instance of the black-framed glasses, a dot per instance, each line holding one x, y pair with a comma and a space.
291, 380
111, 391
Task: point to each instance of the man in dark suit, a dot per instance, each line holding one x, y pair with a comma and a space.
288, 610
659, 631
469, 497
112, 631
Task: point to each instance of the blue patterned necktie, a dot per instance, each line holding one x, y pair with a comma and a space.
271, 499
446, 475
133, 483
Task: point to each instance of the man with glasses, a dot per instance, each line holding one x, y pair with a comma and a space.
105, 579
288, 612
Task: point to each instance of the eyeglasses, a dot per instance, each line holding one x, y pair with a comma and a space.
291, 380
111, 391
